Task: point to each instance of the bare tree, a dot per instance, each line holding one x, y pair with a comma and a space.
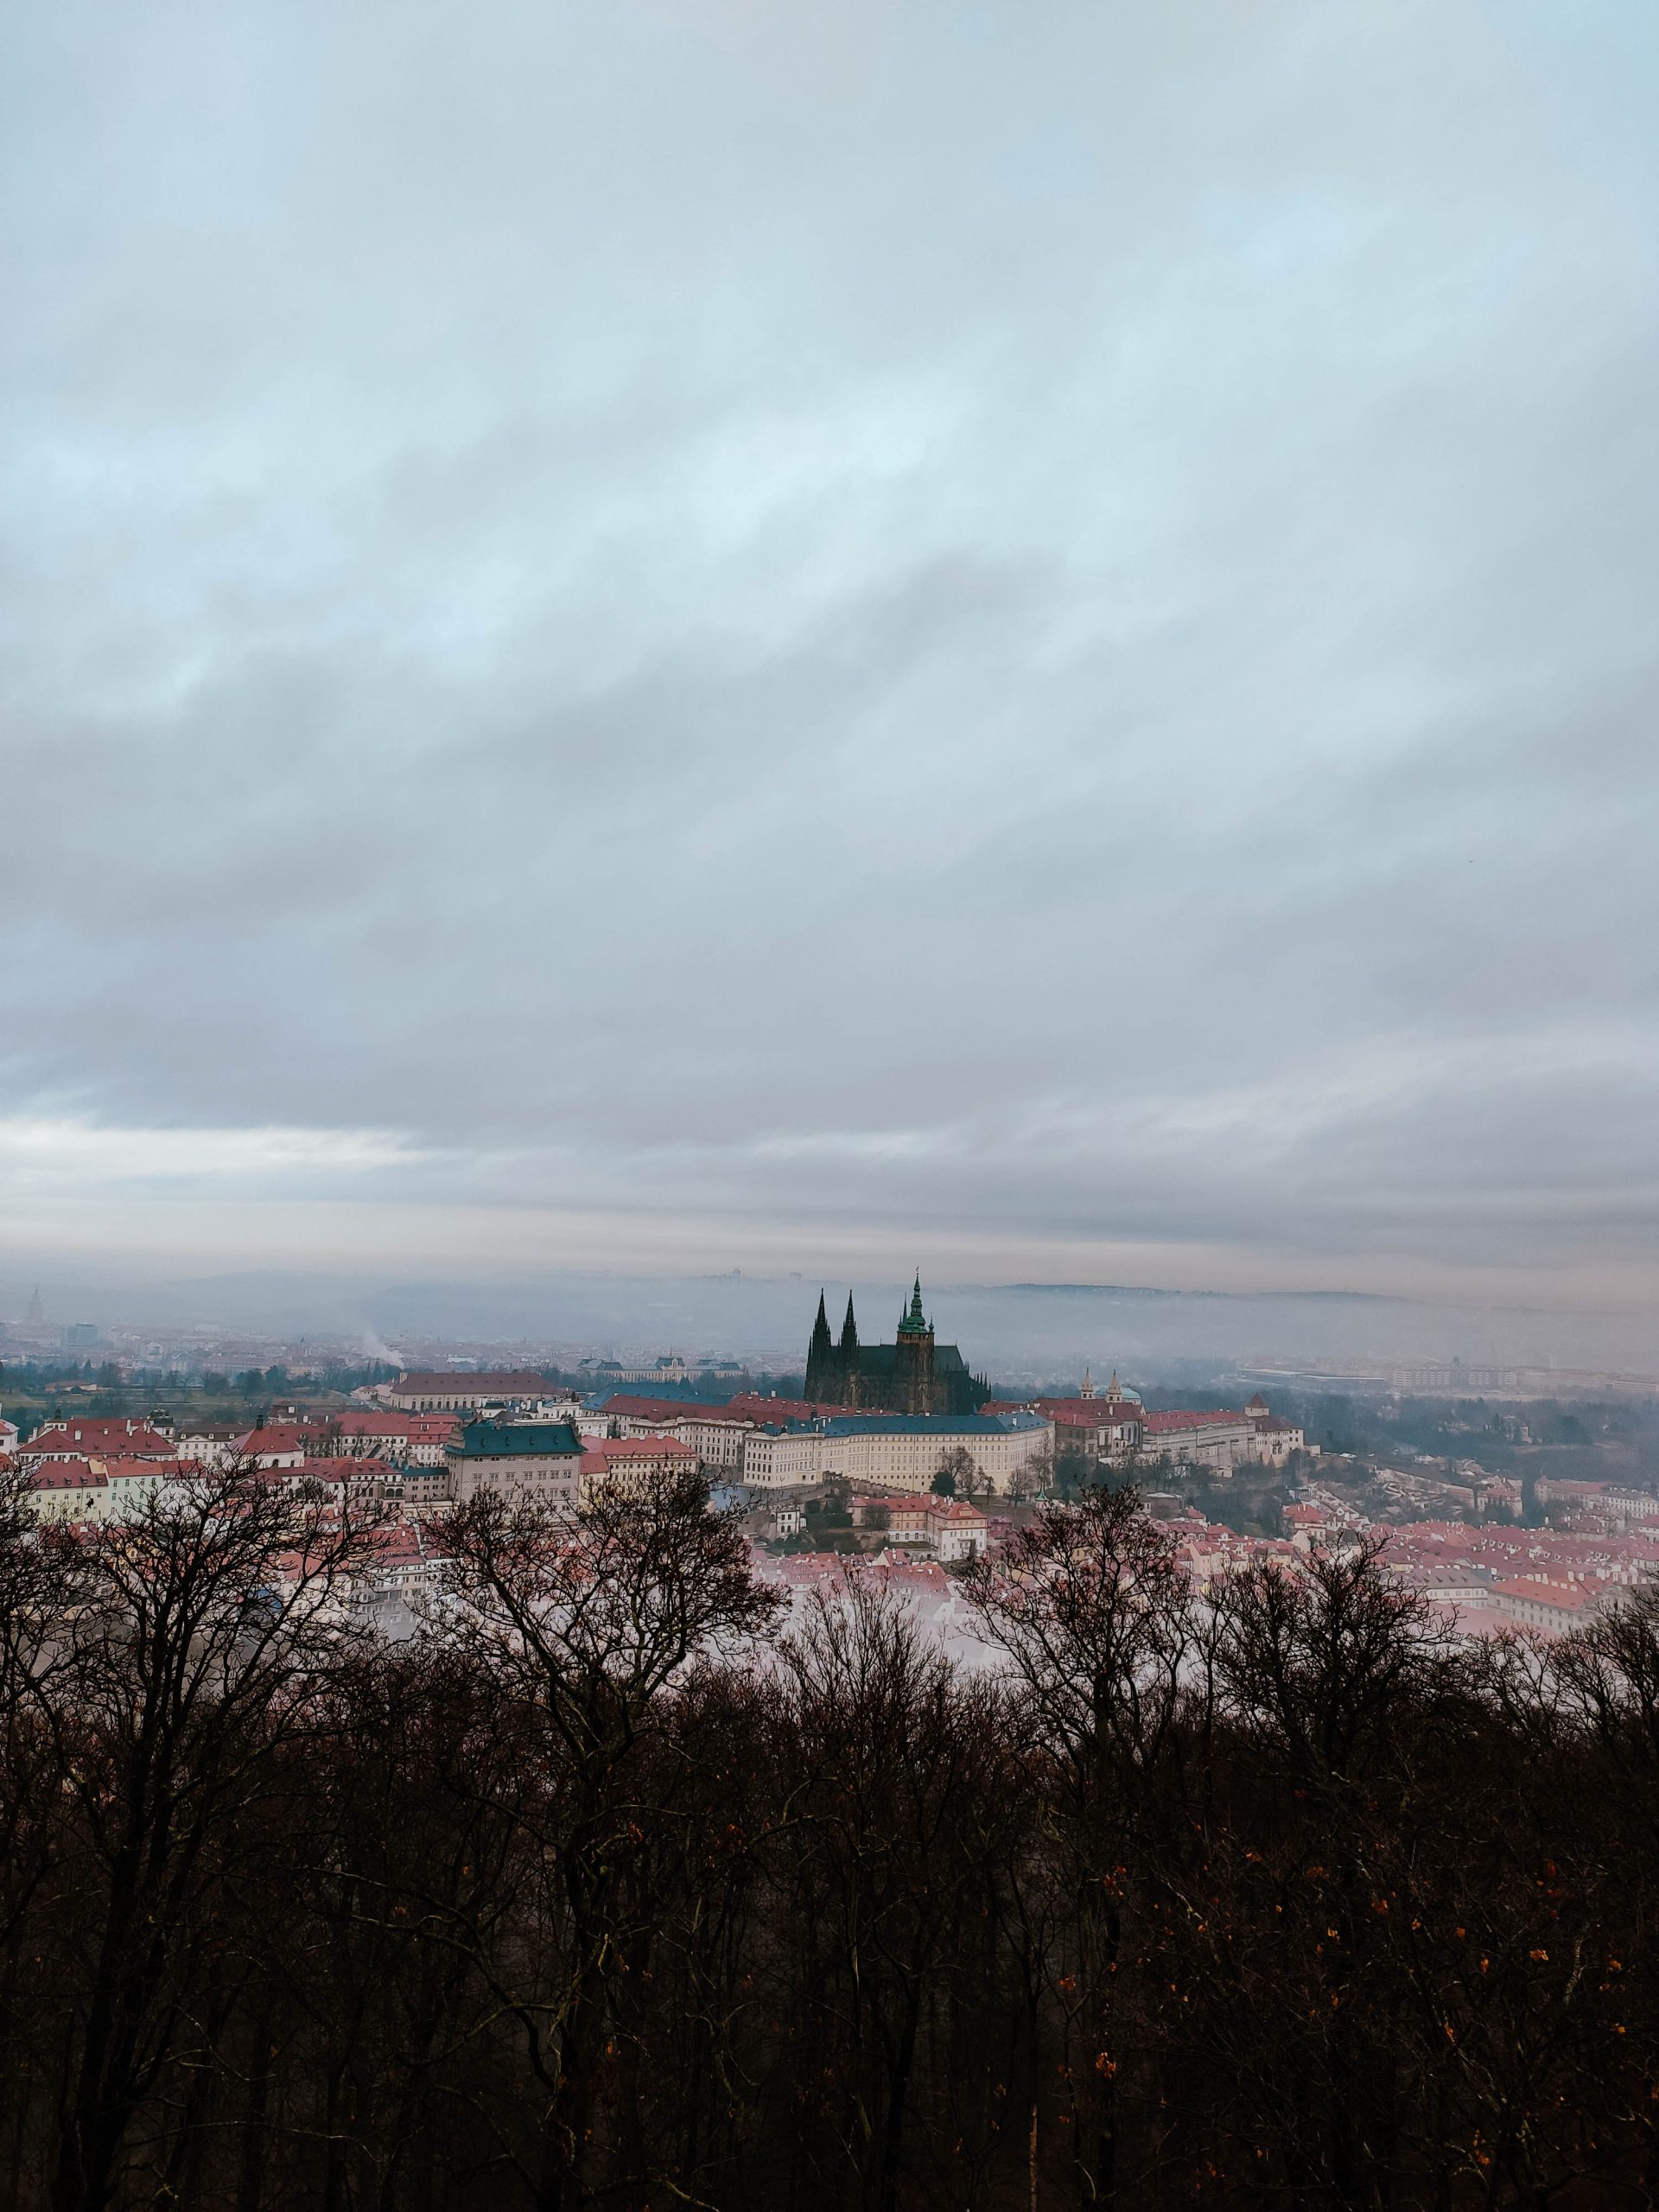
586, 1627
896, 1762
959, 1475
201, 1622
36, 1590
1094, 1612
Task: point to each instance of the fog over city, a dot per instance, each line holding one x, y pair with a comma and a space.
671, 635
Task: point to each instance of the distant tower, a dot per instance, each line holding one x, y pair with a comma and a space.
1114, 1389
36, 1312
1088, 1389
821, 1359
913, 1364
847, 1356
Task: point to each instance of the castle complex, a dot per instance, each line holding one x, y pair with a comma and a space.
912, 1375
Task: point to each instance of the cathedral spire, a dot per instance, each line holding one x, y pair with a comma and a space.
848, 1329
914, 1323
820, 1353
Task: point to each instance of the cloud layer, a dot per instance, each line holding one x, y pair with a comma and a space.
730, 632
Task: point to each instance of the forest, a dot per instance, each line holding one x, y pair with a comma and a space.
623, 1884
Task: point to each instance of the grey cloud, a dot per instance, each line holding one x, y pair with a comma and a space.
1033, 621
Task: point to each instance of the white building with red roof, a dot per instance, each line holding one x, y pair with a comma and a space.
416, 1392
957, 1530
99, 1487
949, 1528
132, 1480
79, 1436
282, 1444
63, 1489
1113, 1424
412, 1439
1553, 1608
408, 1560
716, 1433
1219, 1439
630, 1463
1273, 1441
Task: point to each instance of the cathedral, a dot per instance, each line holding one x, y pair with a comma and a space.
914, 1375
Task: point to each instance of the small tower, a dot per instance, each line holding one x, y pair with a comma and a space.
1088, 1389
36, 1312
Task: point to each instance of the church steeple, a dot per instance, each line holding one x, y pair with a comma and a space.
913, 1323
848, 1331
820, 1352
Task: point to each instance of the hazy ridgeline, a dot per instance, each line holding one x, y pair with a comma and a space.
583, 1902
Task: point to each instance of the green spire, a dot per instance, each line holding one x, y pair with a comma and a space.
914, 1324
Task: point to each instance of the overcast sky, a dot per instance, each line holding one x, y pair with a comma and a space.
804, 633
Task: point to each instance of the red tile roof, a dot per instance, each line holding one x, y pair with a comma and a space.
748, 1408
67, 1474
669, 1409
1091, 1413
136, 1438
389, 1425
1540, 1592
750, 1405
283, 1436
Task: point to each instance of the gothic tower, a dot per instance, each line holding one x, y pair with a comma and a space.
913, 1366
821, 1360
847, 1356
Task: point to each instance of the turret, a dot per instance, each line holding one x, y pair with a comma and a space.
820, 1353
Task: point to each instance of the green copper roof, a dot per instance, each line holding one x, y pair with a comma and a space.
913, 1325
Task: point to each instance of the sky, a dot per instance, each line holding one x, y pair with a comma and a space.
678, 634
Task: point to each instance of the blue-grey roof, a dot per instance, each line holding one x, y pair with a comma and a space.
516, 1440
941, 1425
683, 1394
